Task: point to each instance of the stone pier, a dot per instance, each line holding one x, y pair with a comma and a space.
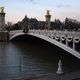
4, 36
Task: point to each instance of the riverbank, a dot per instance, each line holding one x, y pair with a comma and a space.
53, 76
4, 36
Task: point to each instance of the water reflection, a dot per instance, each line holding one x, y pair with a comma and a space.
35, 59
10, 60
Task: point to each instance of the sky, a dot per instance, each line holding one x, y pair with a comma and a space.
60, 9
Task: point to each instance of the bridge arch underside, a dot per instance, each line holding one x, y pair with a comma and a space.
57, 50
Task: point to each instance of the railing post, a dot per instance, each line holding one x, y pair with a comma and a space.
66, 41
73, 44
60, 40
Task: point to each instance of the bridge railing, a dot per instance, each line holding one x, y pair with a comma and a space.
69, 38
15, 32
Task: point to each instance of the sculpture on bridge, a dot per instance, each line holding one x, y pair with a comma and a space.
25, 29
1, 9
2, 19
25, 24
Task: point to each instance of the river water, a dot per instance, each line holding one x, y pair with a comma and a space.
18, 59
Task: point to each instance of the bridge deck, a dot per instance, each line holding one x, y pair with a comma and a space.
37, 34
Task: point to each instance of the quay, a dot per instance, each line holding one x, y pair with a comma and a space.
4, 36
52, 76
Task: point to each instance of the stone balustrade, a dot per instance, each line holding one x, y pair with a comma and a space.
62, 36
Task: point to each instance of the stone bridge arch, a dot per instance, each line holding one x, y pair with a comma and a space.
52, 41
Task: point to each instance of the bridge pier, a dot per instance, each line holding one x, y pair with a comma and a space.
4, 36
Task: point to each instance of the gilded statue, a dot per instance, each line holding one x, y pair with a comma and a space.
2, 9
48, 12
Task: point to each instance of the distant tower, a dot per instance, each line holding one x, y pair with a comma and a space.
2, 19
48, 17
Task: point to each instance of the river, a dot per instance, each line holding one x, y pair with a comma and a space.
18, 59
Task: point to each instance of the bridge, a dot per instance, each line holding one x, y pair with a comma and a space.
61, 39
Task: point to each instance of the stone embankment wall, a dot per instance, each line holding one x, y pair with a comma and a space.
4, 36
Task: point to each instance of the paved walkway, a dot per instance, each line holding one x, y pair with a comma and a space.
70, 76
